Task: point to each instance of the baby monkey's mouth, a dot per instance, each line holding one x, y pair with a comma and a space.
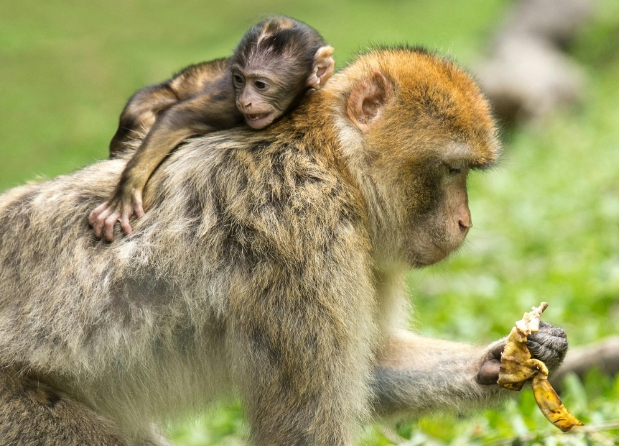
256, 116
259, 120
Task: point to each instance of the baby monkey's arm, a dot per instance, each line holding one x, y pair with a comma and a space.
197, 116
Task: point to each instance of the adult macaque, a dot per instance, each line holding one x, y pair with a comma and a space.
275, 64
270, 265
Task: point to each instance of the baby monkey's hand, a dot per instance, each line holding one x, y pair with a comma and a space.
125, 202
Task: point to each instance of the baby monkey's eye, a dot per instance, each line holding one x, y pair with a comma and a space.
260, 85
238, 79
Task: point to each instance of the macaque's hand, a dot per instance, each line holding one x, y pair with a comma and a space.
549, 345
124, 203
528, 347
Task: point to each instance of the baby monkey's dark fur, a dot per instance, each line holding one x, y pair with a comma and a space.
276, 62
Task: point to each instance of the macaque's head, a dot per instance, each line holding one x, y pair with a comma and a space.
274, 65
418, 124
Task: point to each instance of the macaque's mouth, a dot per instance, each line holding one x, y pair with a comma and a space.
259, 120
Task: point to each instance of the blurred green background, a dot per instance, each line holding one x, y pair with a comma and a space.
546, 220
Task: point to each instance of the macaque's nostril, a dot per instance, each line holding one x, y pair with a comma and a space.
464, 225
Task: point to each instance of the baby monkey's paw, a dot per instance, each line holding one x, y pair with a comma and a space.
119, 208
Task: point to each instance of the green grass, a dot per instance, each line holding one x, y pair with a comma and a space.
68, 67
546, 220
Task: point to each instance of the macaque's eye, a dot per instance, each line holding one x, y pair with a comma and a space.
238, 79
455, 168
260, 85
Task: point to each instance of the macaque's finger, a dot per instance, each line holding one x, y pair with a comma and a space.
496, 350
137, 203
124, 221
125, 225
100, 221
108, 231
549, 345
92, 218
489, 372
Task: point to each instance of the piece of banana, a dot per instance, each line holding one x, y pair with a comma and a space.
517, 367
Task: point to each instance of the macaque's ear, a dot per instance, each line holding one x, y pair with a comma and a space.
368, 99
323, 67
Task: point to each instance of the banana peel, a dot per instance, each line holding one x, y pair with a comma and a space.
517, 367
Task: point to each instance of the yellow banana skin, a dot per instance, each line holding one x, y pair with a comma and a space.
516, 364
549, 402
517, 367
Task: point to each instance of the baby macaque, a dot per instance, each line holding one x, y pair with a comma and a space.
277, 61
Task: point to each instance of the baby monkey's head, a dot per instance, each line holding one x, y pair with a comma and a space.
274, 65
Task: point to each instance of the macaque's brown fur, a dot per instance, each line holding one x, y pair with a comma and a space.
269, 264
276, 62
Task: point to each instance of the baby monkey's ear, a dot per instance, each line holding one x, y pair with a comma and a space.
323, 68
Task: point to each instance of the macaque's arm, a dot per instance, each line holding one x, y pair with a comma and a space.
416, 374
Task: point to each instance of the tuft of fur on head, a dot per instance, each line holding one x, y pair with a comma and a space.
427, 86
276, 40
